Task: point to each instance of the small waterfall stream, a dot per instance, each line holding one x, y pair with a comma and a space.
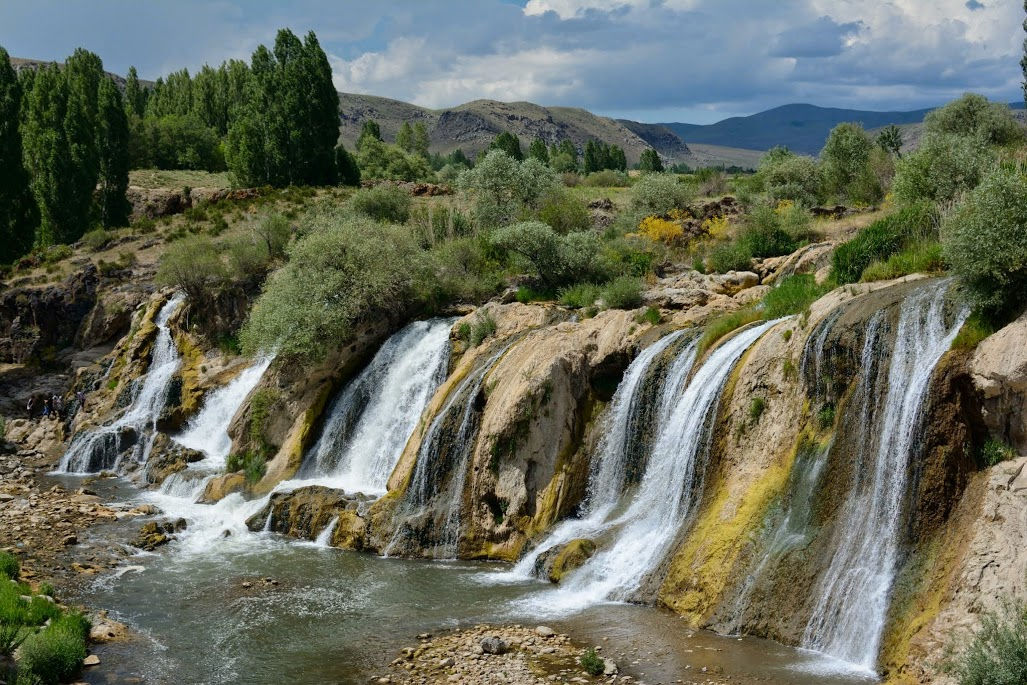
431, 497
637, 540
608, 470
852, 602
374, 416
103, 448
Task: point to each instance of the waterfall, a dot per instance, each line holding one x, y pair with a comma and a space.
103, 447
608, 468
852, 598
445, 451
638, 539
372, 419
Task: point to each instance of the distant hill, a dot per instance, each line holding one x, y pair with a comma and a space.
801, 127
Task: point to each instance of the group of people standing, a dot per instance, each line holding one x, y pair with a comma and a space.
53, 407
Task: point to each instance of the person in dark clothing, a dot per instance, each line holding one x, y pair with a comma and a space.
47, 407
31, 407
58, 407
80, 396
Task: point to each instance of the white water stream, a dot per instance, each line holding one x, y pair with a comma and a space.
636, 541
852, 605
103, 448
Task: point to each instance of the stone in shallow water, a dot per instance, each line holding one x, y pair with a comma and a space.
494, 645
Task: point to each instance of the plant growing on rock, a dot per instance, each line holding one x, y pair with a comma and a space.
997, 654
592, 662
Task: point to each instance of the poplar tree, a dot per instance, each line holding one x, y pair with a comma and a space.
421, 142
508, 143
135, 95
83, 72
650, 160
48, 156
18, 214
537, 150
112, 146
591, 161
369, 131
405, 137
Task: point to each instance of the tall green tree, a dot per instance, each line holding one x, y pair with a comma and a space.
135, 94
112, 146
323, 113
650, 160
369, 131
405, 137
890, 140
845, 157
346, 164
83, 72
537, 150
618, 160
590, 162
48, 157
1023, 60
508, 143
421, 142
18, 214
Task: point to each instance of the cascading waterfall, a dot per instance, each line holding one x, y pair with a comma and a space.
445, 450
667, 496
372, 419
852, 604
608, 469
103, 447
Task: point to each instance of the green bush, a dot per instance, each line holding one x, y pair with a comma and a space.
757, 405
459, 270
786, 176
608, 178
97, 239
975, 116
792, 295
918, 257
660, 193
985, 241
192, 264
825, 417
994, 452
253, 464
501, 188
343, 271
732, 256
381, 160
579, 296
382, 203
944, 166
724, 324
592, 663
623, 292
556, 260
9, 566
144, 225
650, 316
484, 327
564, 211
997, 654
845, 160
55, 653
881, 239
273, 232
765, 234
526, 294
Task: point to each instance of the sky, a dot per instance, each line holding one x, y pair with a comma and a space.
695, 61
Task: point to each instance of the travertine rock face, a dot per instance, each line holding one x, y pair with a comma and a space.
999, 371
307, 512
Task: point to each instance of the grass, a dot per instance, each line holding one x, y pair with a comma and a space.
650, 316
527, 294
976, 329
792, 295
484, 327
579, 296
724, 324
591, 662
624, 292
160, 178
881, 239
994, 452
55, 653
757, 405
9, 566
919, 257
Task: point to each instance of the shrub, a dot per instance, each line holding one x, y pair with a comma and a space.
730, 257
661, 230
501, 187
757, 405
484, 327
381, 160
994, 452
792, 295
623, 292
563, 211
764, 234
607, 178
944, 166
845, 161
976, 328
144, 225
459, 270
55, 653
997, 654
881, 239
192, 264
985, 242
974, 115
342, 272
382, 203
436, 222
825, 417
273, 232
632, 255
592, 663
253, 464
9, 566
786, 176
659, 193
918, 257
579, 296
556, 260
97, 239
650, 316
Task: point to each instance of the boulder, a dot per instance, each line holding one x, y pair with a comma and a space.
305, 512
493, 644
999, 371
